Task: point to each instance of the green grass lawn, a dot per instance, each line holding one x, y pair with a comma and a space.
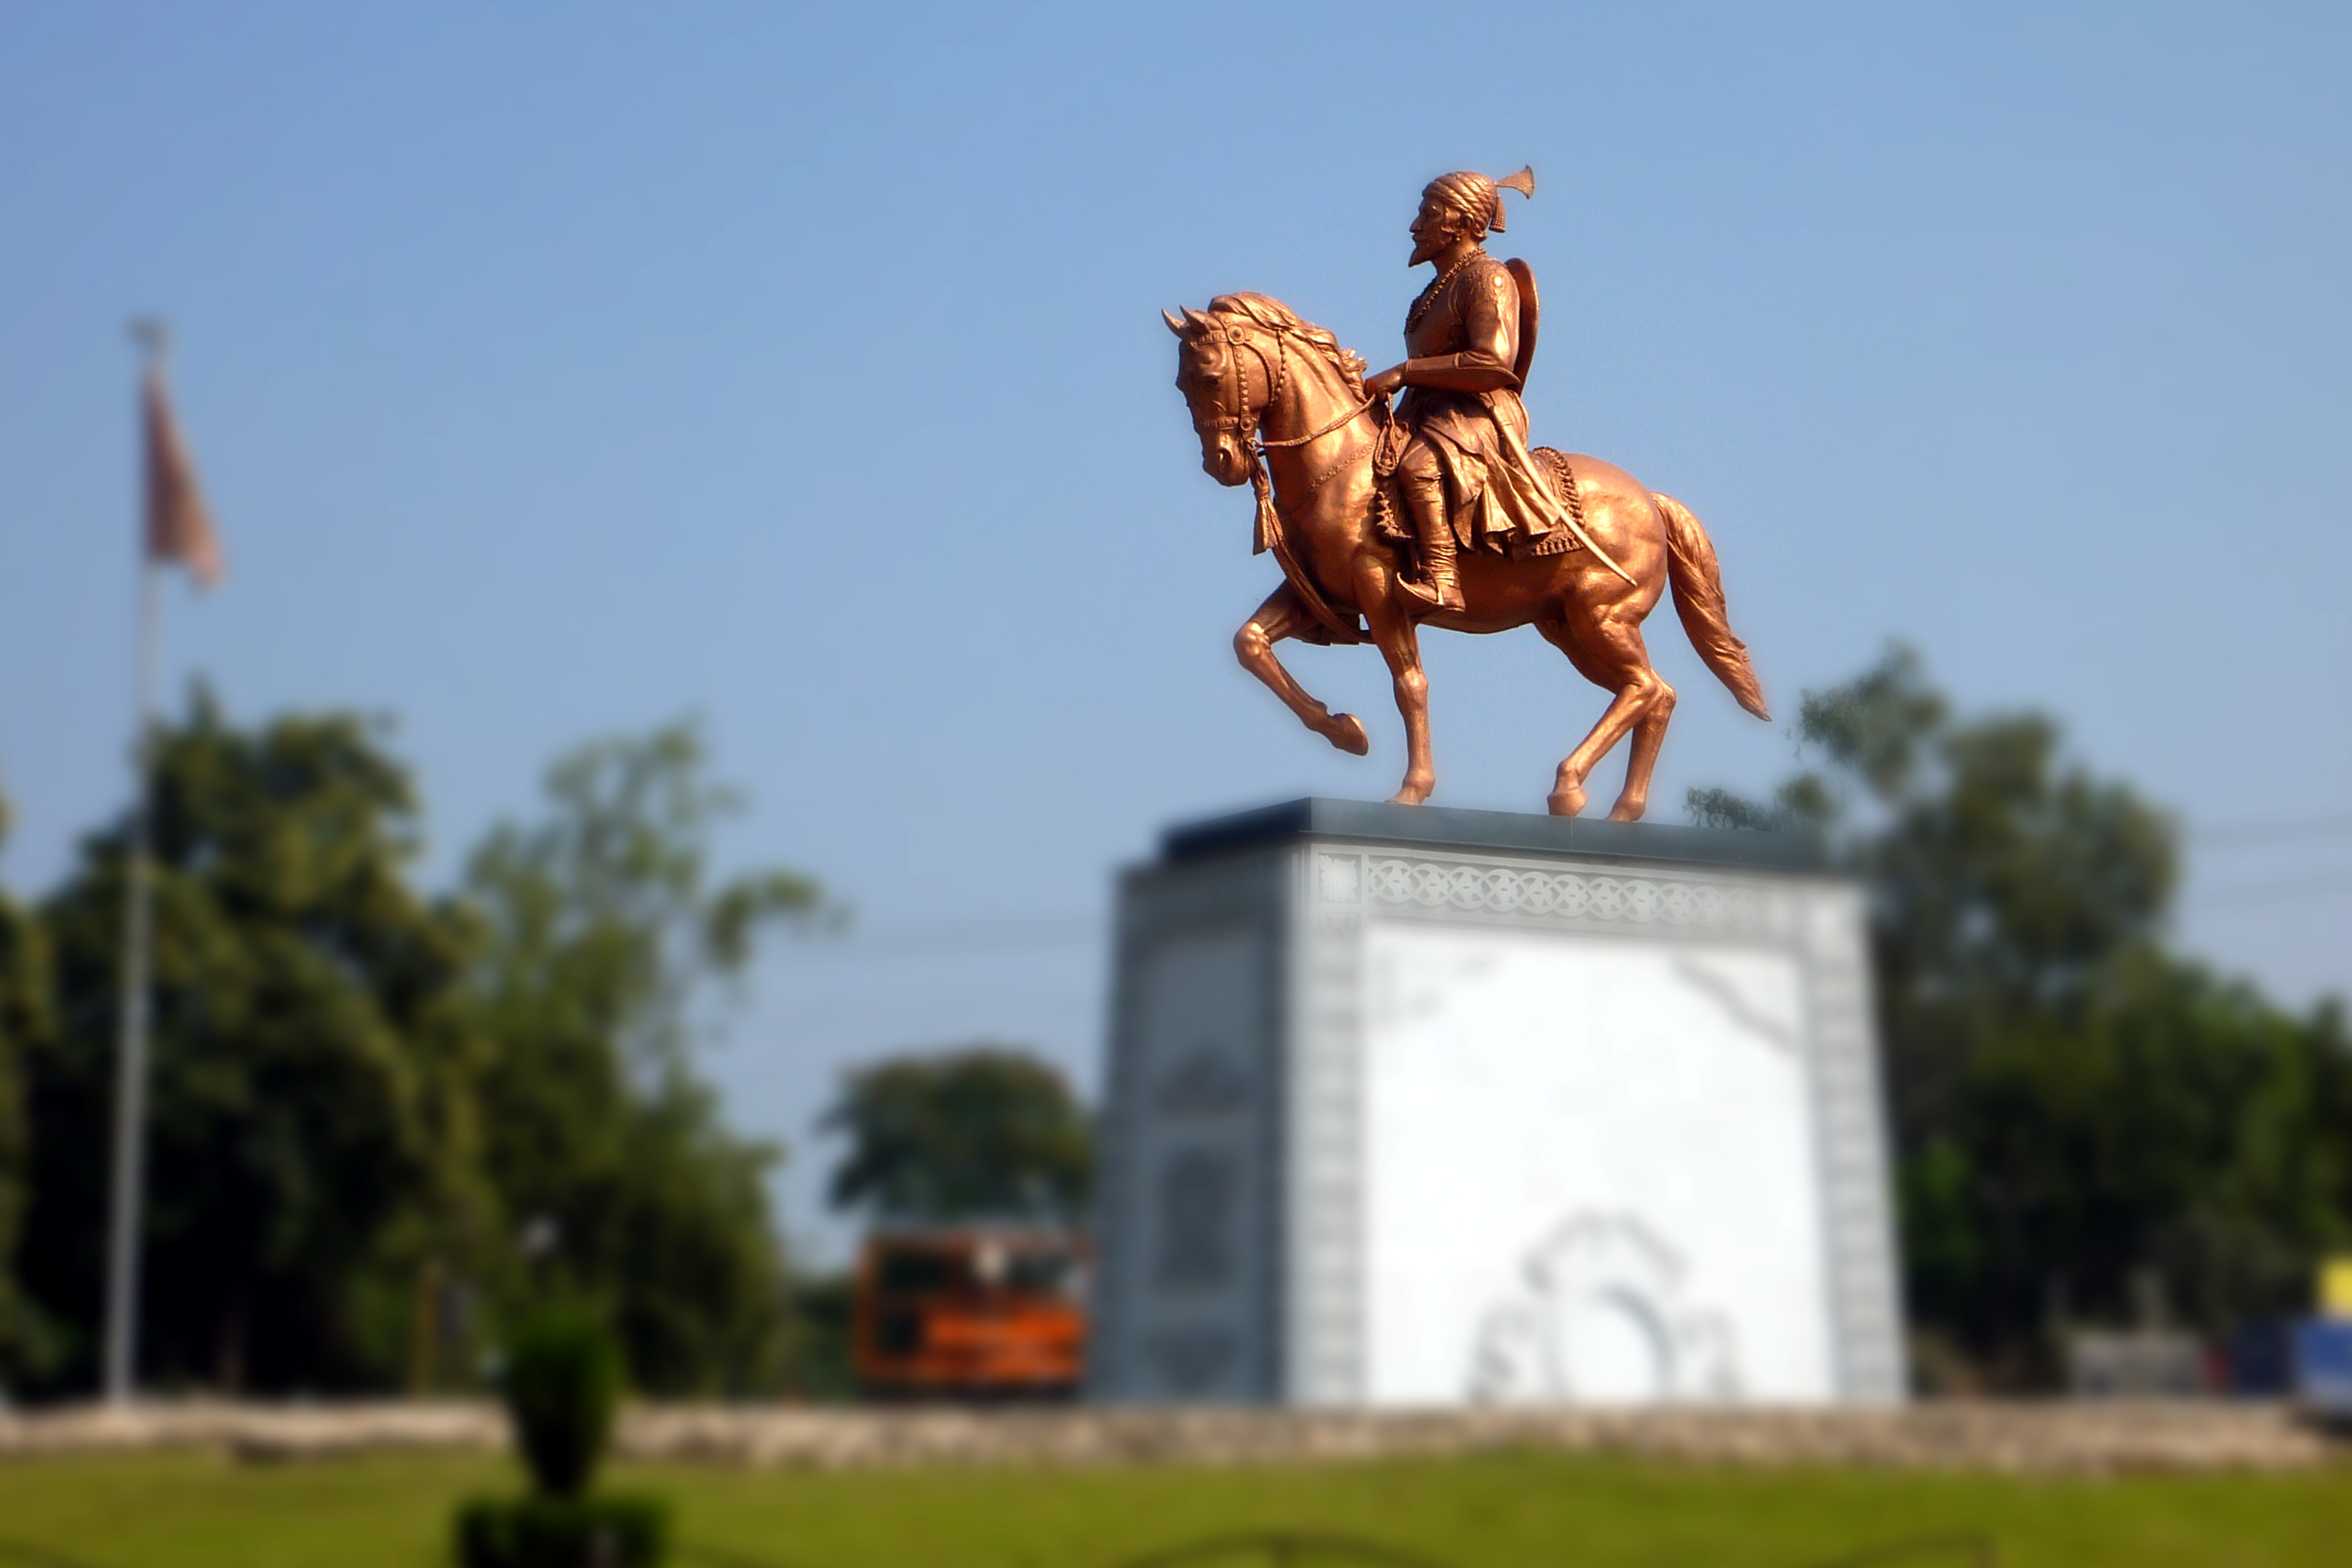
1510, 1511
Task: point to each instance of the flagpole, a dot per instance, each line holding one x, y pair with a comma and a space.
130, 1052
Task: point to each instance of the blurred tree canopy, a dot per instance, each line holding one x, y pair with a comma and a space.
980, 1134
383, 1124
303, 1030
610, 954
2078, 1114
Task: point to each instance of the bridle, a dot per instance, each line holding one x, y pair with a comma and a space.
1242, 422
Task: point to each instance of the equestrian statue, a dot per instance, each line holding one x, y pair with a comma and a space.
1438, 512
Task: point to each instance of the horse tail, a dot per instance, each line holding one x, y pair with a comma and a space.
1698, 600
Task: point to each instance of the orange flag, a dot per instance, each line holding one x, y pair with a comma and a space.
179, 529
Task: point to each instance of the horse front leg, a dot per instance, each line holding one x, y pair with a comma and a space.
1399, 639
1282, 615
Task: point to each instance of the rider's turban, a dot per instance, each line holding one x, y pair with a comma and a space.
1478, 198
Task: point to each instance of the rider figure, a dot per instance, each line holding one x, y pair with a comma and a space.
1465, 473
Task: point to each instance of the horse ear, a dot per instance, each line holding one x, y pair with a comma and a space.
1174, 325
1197, 322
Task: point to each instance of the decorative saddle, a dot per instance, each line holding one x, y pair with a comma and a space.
1387, 506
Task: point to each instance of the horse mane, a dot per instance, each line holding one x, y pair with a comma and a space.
1270, 313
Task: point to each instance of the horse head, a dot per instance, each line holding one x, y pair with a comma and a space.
1214, 357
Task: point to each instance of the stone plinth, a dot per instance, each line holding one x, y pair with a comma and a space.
1411, 1107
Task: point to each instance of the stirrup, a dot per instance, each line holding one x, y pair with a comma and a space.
1445, 595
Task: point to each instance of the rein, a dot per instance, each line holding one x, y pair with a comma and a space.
1263, 444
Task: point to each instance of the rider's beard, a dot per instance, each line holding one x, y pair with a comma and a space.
1431, 247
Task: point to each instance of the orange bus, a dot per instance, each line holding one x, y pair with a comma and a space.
979, 1313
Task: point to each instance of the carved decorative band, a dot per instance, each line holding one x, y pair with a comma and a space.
1558, 895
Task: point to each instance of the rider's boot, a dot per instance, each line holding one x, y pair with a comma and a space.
1425, 498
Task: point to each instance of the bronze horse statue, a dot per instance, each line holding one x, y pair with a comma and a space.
1270, 391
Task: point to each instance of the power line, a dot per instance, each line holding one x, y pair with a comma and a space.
924, 941
2274, 831
2339, 882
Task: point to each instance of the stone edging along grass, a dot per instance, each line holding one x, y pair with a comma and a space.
2019, 1437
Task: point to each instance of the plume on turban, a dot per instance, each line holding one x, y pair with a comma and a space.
1478, 198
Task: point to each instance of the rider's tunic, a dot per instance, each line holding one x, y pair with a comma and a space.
1494, 493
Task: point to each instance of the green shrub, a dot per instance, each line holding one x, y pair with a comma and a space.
608, 1531
562, 1385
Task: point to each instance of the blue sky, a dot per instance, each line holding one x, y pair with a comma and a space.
558, 371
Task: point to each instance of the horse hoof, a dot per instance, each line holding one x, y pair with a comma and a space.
1348, 735
1409, 796
1566, 801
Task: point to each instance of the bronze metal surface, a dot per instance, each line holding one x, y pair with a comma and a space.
1280, 405
1531, 316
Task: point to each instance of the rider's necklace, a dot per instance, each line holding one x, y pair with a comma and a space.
1429, 296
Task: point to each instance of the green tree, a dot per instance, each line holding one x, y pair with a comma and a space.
612, 953
302, 1015
2076, 1111
24, 1027
980, 1133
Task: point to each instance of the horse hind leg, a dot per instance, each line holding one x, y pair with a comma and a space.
1649, 736
1610, 653
1282, 615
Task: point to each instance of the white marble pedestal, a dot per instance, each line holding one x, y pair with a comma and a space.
1419, 1108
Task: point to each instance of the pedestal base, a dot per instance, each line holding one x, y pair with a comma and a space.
1410, 1107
